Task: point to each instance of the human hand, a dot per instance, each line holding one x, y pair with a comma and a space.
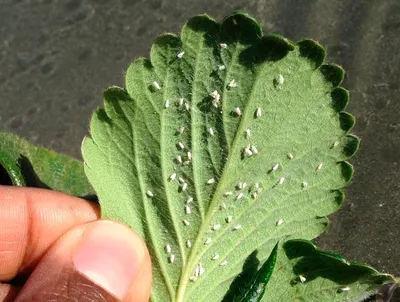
55, 248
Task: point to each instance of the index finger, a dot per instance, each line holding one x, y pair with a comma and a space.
31, 220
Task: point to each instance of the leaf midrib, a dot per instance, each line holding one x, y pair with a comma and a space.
218, 192
224, 91
194, 159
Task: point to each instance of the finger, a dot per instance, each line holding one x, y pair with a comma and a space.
31, 221
99, 261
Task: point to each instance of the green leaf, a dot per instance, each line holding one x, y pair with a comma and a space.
304, 273
12, 169
268, 171
250, 286
27, 165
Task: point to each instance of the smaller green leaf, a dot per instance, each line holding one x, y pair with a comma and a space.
305, 273
27, 165
255, 287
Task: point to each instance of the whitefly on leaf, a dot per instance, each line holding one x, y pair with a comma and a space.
285, 106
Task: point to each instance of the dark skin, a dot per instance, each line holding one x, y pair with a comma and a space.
55, 247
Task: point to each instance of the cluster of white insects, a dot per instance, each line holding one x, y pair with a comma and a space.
248, 151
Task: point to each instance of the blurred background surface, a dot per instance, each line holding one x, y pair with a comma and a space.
57, 57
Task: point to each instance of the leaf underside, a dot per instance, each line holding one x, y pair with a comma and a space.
27, 165
206, 184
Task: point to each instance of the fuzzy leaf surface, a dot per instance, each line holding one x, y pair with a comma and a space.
206, 184
27, 165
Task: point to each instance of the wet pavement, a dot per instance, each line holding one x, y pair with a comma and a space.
57, 57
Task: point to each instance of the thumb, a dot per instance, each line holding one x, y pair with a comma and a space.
99, 261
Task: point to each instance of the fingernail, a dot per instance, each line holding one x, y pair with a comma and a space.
109, 254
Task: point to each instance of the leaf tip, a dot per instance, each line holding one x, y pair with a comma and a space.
333, 73
241, 27
340, 98
313, 51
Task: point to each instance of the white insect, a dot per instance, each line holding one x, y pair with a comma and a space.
223, 45
211, 131
187, 210
345, 289
181, 129
247, 133
319, 167
228, 193
197, 271
168, 249
281, 79
188, 244
237, 227
222, 206
216, 227
254, 195
180, 145
186, 222
281, 180
215, 95
184, 186
187, 106
258, 112
238, 111
215, 257
156, 85
215, 103
223, 263
254, 149
149, 194
302, 279
232, 84
275, 167
304, 184
248, 152
171, 258
179, 159
201, 269
180, 55
228, 219
210, 181
208, 241
240, 195
189, 155
241, 185
189, 199
335, 144
181, 101
172, 177
181, 180
166, 104
280, 222
192, 278
221, 67
290, 155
